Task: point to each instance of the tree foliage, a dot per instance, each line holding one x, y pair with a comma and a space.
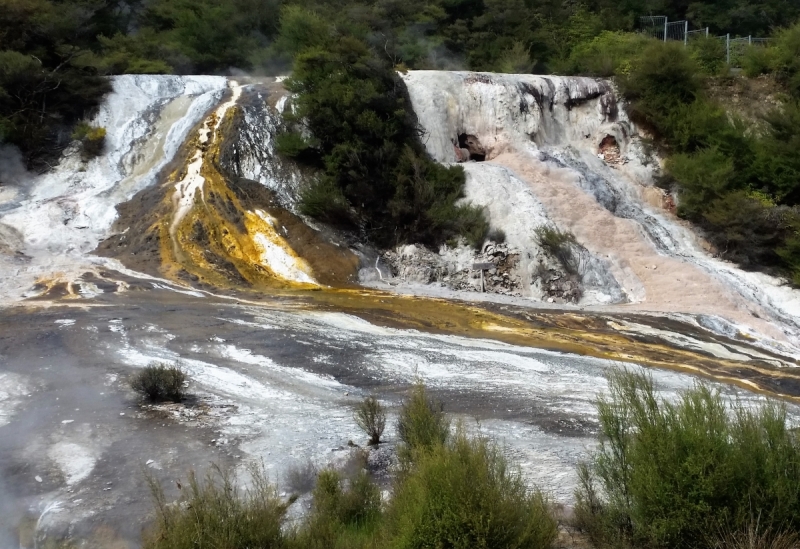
376, 175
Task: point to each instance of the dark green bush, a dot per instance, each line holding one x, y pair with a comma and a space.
323, 200
757, 60
355, 106
776, 168
785, 49
704, 176
661, 79
709, 54
370, 416
158, 382
672, 474
464, 494
215, 513
291, 144
749, 229
422, 423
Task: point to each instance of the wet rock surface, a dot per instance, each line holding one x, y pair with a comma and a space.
270, 382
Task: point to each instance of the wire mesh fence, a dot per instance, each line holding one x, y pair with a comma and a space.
654, 25
695, 34
735, 48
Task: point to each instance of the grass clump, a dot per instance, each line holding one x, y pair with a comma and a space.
464, 494
215, 512
158, 382
371, 418
668, 474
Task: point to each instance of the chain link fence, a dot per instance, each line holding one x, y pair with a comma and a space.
661, 28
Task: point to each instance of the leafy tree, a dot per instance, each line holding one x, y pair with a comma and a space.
355, 107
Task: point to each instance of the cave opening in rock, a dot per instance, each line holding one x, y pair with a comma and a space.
473, 145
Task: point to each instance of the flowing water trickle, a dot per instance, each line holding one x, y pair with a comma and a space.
181, 243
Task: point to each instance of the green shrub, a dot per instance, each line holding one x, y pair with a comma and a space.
371, 418
749, 229
670, 474
785, 48
345, 514
661, 78
516, 60
776, 167
709, 54
92, 138
215, 512
323, 200
158, 382
464, 494
291, 144
559, 244
422, 424
757, 60
425, 205
703, 176
609, 54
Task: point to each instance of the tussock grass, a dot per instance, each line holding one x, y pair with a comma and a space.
302, 478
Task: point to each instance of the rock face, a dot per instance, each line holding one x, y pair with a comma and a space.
59, 217
453, 267
494, 111
560, 152
251, 153
475, 117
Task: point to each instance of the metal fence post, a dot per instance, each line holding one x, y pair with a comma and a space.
665, 28
706, 32
685, 32
728, 48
